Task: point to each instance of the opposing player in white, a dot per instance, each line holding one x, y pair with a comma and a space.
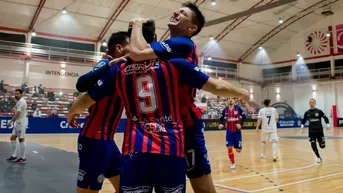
20, 124
269, 117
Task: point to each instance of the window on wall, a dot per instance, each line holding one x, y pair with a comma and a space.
279, 70
220, 64
12, 37
63, 44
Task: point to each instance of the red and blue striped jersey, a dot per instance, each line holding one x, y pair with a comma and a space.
150, 93
181, 47
104, 116
232, 117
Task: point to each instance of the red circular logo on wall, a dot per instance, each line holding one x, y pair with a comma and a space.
319, 43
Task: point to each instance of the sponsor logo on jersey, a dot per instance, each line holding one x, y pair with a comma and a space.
166, 46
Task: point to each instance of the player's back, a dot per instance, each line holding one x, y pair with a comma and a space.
103, 118
268, 116
150, 95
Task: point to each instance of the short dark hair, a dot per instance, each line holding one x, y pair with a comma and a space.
19, 90
266, 102
117, 38
198, 18
148, 30
312, 99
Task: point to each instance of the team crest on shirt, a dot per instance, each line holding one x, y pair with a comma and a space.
236, 112
317, 114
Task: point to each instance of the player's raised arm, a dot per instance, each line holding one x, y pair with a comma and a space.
87, 81
177, 47
192, 76
104, 87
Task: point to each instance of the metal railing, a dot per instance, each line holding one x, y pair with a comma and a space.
277, 78
79, 56
303, 75
214, 71
48, 52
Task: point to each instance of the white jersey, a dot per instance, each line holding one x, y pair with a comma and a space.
268, 116
21, 107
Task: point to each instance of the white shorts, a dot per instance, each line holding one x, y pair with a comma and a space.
19, 129
269, 136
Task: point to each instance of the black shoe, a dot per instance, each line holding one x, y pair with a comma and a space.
20, 161
12, 159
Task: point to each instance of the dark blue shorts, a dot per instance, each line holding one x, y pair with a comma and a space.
98, 160
143, 172
198, 163
234, 139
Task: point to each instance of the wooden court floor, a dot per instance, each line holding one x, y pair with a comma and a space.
295, 170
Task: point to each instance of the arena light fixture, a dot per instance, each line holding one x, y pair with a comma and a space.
33, 33
328, 34
298, 54
280, 21
209, 58
211, 38
260, 47
213, 2
64, 11
104, 43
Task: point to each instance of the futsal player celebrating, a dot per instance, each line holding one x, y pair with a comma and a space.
269, 117
185, 23
315, 129
20, 124
154, 137
234, 117
98, 153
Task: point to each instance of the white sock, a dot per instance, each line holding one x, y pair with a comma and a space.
14, 148
263, 146
274, 149
22, 150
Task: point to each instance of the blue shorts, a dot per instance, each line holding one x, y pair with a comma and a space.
234, 139
98, 160
197, 160
143, 172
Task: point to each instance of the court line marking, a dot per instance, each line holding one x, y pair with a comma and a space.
273, 172
231, 188
297, 182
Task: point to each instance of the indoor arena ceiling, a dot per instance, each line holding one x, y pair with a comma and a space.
92, 20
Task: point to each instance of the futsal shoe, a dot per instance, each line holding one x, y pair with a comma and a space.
263, 156
12, 159
319, 160
233, 166
20, 161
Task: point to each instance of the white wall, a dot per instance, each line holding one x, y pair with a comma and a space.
13, 72
298, 95
249, 71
